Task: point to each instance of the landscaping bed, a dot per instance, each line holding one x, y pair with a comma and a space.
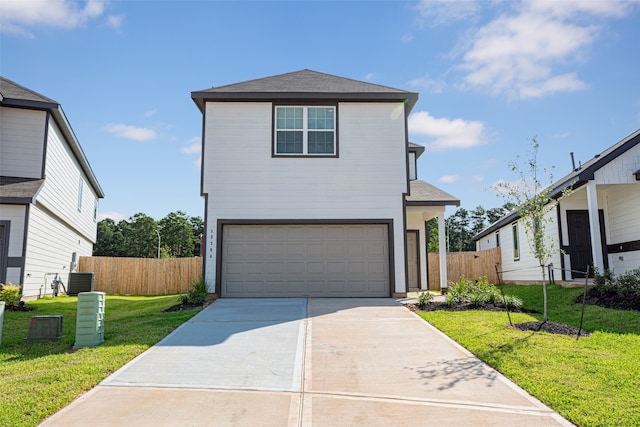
575, 377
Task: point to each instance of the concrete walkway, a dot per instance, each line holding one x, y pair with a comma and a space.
298, 362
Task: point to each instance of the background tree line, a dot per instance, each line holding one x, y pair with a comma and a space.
463, 225
180, 236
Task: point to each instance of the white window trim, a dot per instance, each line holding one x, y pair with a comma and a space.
305, 131
515, 232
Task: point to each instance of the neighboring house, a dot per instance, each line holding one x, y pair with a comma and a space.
310, 189
598, 225
48, 193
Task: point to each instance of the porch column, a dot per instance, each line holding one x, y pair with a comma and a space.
594, 226
443, 253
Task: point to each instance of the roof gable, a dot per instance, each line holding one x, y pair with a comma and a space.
304, 84
18, 96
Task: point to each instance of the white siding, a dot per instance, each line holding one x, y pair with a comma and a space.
489, 242
623, 206
21, 142
527, 266
366, 181
60, 191
49, 250
620, 170
623, 218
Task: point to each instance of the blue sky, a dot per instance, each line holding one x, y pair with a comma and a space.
491, 74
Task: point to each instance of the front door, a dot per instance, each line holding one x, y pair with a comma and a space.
413, 264
579, 248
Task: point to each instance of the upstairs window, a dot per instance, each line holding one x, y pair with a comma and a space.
80, 194
516, 242
305, 131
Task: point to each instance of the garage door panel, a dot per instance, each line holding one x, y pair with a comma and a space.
296, 250
323, 260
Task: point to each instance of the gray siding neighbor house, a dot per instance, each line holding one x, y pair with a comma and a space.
310, 189
48, 192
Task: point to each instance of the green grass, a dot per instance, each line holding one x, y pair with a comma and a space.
593, 381
38, 379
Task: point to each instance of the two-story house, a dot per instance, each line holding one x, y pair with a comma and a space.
310, 189
48, 192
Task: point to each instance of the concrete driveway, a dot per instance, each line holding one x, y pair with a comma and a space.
299, 362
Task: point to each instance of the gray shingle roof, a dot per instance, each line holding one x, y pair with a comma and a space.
11, 92
304, 84
19, 190
424, 194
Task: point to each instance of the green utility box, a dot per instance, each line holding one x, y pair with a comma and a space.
44, 328
90, 320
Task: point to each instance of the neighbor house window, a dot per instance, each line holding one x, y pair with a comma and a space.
305, 131
80, 194
516, 242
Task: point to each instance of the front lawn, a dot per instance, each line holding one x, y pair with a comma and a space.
38, 379
594, 381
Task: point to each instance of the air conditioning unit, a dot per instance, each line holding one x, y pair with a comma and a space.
79, 282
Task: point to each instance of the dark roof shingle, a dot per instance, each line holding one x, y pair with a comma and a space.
304, 84
422, 193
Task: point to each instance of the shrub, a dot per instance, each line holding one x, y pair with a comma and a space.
478, 293
512, 302
197, 295
423, 299
624, 284
10, 293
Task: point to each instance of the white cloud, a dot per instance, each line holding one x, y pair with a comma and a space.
17, 14
518, 53
131, 132
445, 11
150, 113
445, 133
115, 21
433, 86
116, 216
369, 76
449, 179
194, 147
477, 178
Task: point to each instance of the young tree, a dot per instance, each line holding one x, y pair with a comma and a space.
533, 201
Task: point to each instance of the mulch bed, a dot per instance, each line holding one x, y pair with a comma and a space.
611, 300
182, 307
20, 307
439, 305
551, 327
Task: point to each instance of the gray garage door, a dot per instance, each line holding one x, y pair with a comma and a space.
328, 260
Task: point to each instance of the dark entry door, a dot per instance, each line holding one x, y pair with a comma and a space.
579, 242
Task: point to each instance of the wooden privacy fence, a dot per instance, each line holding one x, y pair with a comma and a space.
149, 276
142, 276
468, 264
